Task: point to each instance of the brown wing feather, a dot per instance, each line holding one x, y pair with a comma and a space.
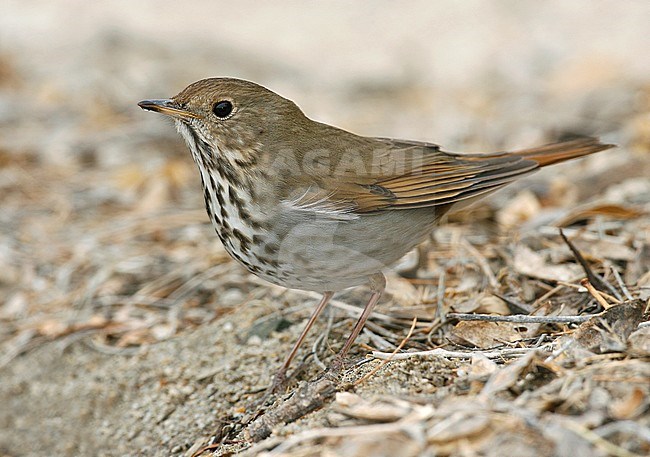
436, 178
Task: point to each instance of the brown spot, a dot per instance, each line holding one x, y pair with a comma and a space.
243, 214
208, 206
244, 241
226, 227
218, 190
220, 235
271, 248
271, 273
257, 225
232, 196
244, 163
236, 256
270, 262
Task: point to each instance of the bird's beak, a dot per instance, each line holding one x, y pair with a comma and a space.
168, 107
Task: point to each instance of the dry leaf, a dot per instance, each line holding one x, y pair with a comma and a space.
484, 334
639, 343
53, 328
595, 249
461, 424
348, 399
402, 291
466, 306
530, 263
506, 377
481, 367
518, 210
491, 304
14, 306
375, 412
630, 407
609, 331
609, 210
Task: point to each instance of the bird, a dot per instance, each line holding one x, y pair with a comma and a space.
306, 205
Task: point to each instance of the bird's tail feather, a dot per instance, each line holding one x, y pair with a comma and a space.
566, 150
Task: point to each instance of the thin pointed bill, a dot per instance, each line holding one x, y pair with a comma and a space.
167, 107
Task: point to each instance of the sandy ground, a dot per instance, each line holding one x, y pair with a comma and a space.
125, 329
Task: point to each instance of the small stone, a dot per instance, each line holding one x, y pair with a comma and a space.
231, 297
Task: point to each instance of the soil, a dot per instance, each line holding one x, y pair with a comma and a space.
125, 328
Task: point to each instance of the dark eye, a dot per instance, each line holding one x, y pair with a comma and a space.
222, 109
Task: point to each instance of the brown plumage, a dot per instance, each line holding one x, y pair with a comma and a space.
431, 177
310, 206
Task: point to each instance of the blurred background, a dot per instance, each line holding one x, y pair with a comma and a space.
102, 227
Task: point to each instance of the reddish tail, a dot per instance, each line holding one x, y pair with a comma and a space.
566, 150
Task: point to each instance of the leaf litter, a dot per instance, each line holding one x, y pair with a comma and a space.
126, 324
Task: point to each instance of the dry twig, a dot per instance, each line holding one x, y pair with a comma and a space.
397, 349
522, 319
593, 278
607, 446
439, 352
596, 294
482, 261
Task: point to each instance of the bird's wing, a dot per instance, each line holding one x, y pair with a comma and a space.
408, 174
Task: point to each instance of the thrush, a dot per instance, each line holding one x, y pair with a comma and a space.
309, 206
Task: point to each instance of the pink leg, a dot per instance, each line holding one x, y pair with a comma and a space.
378, 284
280, 376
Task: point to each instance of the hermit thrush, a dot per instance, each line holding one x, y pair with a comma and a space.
309, 206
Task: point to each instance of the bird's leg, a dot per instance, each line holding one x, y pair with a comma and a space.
377, 284
281, 375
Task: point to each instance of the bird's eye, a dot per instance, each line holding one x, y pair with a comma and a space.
222, 109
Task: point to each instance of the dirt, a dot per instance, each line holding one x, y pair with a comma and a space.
125, 329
